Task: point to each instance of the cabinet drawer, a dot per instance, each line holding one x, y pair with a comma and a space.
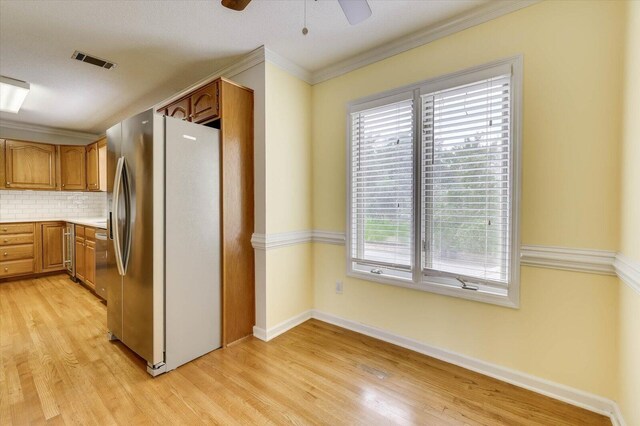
79, 231
16, 228
16, 267
90, 233
13, 239
24, 251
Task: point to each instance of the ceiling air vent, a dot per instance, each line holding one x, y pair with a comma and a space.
93, 60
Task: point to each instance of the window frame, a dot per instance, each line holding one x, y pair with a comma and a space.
435, 283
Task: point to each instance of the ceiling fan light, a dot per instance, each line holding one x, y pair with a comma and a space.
356, 11
12, 94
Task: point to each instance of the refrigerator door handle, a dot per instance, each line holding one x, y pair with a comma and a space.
127, 220
117, 184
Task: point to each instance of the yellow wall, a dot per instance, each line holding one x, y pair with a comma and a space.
289, 283
629, 354
629, 318
288, 151
630, 218
289, 289
565, 330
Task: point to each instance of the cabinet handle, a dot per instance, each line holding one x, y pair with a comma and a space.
6, 269
63, 184
6, 254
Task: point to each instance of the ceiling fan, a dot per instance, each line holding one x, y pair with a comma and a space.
356, 11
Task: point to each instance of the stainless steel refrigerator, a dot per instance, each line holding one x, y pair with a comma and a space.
163, 227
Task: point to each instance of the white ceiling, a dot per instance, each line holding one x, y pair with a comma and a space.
161, 47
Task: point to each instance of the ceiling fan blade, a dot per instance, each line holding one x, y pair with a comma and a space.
235, 4
356, 11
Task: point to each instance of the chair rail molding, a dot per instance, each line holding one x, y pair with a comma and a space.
603, 262
282, 239
629, 271
571, 259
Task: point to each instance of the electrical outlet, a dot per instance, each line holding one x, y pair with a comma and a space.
339, 287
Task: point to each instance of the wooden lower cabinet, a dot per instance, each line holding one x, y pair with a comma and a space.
32, 248
52, 237
90, 257
80, 255
17, 249
86, 255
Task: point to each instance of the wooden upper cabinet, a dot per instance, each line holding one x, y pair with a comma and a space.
73, 167
102, 164
97, 165
180, 109
93, 178
201, 106
205, 103
3, 164
30, 165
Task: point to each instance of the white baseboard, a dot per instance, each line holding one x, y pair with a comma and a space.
282, 327
545, 387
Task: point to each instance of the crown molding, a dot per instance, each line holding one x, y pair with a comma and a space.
16, 125
629, 271
480, 15
287, 65
250, 60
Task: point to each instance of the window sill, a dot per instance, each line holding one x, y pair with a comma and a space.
509, 300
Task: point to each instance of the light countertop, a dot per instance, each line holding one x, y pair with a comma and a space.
95, 222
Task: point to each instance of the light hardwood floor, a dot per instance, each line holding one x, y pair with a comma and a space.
56, 366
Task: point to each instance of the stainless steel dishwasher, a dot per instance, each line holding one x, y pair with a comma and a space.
101, 263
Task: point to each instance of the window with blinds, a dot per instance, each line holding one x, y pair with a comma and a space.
466, 181
433, 184
382, 188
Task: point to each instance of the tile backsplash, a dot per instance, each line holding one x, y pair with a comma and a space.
51, 204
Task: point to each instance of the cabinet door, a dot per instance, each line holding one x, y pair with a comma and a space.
179, 109
93, 179
90, 263
204, 103
102, 164
30, 165
73, 168
52, 250
80, 258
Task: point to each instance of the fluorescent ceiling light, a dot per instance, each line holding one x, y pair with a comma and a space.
12, 94
356, 11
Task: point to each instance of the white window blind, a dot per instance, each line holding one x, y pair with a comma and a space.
466, 181
381, 200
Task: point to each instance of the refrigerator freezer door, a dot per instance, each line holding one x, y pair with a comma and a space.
110, 275
138, 280
192, 242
